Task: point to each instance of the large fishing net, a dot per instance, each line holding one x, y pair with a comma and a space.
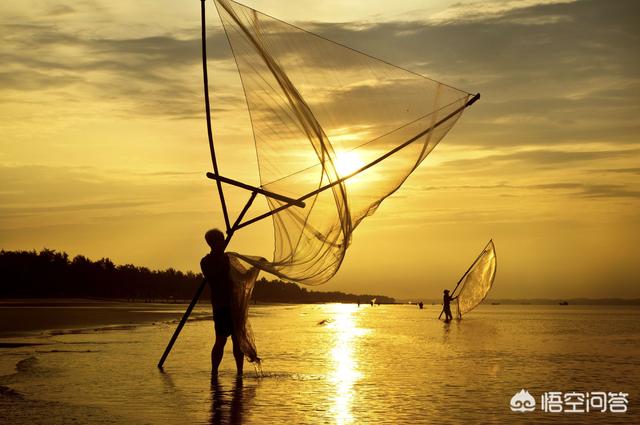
321, 111
332, 126
478, 281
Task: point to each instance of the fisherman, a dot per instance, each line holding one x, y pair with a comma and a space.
446, 307
420, 305
215, 268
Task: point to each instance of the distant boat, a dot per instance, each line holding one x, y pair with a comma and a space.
495, 303
564, 303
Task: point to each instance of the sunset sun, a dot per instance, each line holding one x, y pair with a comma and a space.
348, 162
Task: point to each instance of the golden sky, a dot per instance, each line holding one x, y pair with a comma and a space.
104, 149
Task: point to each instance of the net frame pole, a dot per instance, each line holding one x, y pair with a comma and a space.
205, 75
255, 189
467, 272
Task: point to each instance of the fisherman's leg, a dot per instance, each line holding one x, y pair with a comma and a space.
216, 353
237, 354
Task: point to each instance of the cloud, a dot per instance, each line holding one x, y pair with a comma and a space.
549, 72
38, 194
609, 191
585, 190
11, 211
559, 80
158, 75
620, 170
473, 11
60, 9
557, 74
573, 79
543, 157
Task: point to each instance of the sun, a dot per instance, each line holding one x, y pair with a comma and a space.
347, 163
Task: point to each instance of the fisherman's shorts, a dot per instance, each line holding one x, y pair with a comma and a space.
223, 323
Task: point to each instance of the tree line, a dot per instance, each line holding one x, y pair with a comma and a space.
53, 274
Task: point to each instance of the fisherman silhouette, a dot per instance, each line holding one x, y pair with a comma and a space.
420, 305
215, 268
446, 300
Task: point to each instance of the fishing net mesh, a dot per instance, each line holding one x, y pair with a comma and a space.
244, 277
478, 281
319, 112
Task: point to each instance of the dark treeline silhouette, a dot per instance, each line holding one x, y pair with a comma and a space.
52, 274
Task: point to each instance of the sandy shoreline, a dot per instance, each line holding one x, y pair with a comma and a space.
30, 317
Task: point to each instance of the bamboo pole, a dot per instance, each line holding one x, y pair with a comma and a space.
256, 190
205, 77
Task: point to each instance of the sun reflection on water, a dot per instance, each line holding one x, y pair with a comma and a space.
345, 361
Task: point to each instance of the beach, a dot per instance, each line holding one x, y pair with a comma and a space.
32, 317
324, 363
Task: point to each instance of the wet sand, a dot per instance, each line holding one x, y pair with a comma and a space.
32, 317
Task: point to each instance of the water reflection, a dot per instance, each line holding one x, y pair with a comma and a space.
229, 406
345, 362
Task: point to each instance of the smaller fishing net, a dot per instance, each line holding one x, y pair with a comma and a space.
477, 281
244, 278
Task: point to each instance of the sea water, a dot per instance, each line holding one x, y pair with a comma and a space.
337, 363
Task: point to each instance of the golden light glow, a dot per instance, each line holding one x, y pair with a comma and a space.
348, 162
345, 372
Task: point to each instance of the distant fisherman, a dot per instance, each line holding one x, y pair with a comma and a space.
215, 268
446, 301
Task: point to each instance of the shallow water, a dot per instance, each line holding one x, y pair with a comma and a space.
385, 364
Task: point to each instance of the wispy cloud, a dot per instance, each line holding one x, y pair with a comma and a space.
585, 190
620, 170
544, 157
76, 193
